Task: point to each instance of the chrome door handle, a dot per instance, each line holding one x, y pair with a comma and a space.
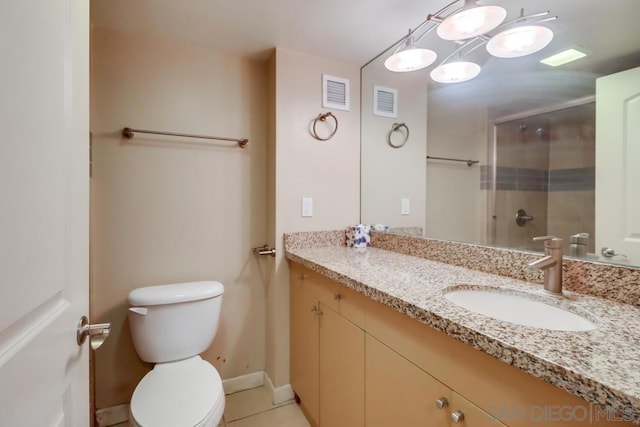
610, 253
97, 332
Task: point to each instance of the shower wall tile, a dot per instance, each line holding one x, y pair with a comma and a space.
572, 212
578, 179
510, 234
525, 179
573, 138
516, 179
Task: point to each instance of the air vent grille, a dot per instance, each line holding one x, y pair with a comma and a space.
385, 101
335, 92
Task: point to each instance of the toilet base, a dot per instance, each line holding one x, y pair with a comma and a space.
186, 393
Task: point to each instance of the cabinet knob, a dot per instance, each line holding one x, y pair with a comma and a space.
457, 416
302, 276
337, 297
316, 309
442, 403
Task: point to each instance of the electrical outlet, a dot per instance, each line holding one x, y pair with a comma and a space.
307, 206
405, 207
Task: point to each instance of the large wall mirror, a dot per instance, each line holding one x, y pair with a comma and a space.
523, 149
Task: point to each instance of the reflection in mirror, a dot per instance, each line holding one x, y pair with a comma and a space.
556, 156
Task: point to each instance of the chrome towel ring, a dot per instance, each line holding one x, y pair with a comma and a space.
397, 128
323, 117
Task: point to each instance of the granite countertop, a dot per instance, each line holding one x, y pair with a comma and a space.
600, 366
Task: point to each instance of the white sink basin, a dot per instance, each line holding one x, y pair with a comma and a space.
519, 310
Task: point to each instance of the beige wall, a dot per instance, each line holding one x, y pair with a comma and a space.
455, 203
169, 210
327, 171
390, 174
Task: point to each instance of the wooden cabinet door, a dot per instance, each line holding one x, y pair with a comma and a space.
398, 393
473, 416
341, 371
304, 346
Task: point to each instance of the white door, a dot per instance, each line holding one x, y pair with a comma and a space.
618, 165
44, 185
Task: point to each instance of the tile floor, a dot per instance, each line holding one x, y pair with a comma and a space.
253, 408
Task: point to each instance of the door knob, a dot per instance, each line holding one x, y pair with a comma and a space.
97, 332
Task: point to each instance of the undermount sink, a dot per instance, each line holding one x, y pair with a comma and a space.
518, 309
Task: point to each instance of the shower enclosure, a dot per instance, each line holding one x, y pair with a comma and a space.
542, 180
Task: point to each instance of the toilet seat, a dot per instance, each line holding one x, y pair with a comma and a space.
187, 393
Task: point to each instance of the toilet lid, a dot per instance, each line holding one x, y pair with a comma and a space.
177, 394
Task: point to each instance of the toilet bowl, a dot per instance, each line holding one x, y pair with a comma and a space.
185, 393
170, 326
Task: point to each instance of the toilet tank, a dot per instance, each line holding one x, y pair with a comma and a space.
174, 322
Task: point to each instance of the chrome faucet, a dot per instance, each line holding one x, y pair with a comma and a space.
551, 264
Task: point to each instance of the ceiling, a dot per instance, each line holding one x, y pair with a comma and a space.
353, 31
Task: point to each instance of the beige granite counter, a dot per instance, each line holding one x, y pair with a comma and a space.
600, 366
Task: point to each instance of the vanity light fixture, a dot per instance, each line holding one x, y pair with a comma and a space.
471, 21
410, 57
468, 26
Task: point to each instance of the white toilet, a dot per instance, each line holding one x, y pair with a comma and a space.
170, 326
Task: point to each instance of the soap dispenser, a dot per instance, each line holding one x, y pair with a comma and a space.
578, 244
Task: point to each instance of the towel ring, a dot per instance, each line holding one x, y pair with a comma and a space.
322, 118
396, 128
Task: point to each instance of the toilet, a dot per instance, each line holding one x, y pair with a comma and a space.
170, 326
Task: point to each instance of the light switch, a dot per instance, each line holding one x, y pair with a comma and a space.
405, 208
307, 206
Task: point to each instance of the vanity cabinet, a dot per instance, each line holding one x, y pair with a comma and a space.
305, 347
327, 351
399, 393
357, 362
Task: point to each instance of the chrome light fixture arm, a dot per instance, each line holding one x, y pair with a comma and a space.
433, 19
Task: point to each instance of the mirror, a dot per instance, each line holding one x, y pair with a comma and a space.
515, 152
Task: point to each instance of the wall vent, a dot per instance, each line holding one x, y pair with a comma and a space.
335, 92
385, 101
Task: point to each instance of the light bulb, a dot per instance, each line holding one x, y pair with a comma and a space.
410, 60
471, 22
455, 72
519, 41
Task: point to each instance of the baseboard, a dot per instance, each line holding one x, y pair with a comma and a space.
112, 415
278, 394
243, 382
